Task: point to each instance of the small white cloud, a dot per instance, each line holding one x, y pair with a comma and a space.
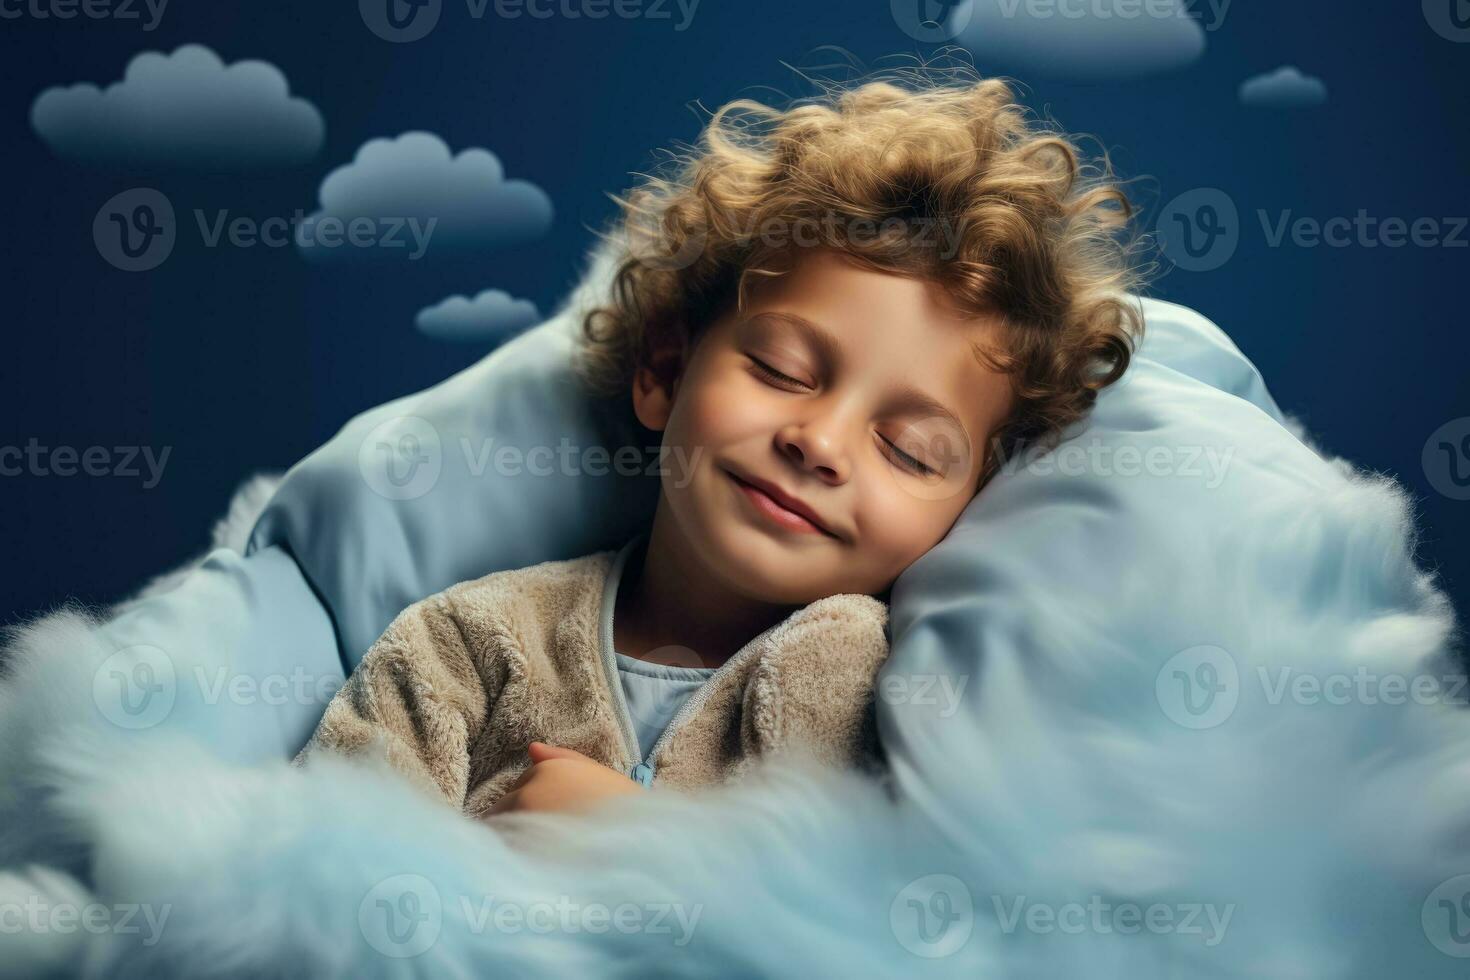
1284, 88
493, 316
182, 110
463, 200
1081, 41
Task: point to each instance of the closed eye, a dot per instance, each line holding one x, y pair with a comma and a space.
906, 460
771, 374
902, 458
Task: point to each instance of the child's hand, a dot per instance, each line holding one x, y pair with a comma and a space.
562, 779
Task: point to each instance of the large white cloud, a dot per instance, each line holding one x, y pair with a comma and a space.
1079, 38
1284, 88
462, 201
493, 316
187, 109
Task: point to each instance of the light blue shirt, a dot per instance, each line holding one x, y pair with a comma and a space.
654, 692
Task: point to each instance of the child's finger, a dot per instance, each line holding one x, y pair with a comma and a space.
508, 803
523, 778
540, 752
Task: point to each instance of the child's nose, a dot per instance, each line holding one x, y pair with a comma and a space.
816, 445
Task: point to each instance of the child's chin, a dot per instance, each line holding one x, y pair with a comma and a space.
777, 568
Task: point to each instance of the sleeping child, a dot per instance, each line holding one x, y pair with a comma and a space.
844, 316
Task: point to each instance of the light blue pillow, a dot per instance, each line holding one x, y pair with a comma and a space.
508, 463
503, 465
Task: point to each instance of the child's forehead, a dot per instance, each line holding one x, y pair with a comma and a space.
844, 312
825, 279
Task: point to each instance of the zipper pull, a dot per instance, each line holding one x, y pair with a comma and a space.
642, 774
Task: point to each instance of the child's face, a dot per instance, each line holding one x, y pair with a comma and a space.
833, 437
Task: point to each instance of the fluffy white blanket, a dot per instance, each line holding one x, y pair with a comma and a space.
1312, 837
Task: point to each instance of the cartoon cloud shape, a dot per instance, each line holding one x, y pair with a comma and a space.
186, 110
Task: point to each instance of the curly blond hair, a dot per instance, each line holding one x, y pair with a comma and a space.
1029, 233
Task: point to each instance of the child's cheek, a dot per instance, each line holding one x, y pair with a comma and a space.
899, 526
721, 409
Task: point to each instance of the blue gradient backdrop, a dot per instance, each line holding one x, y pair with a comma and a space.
239, 359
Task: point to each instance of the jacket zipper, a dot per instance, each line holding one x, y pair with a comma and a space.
691, 705
642, 771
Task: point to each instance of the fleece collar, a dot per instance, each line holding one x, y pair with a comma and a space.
790, 679
771, 642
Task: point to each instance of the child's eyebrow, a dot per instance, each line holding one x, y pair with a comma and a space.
826, 344
908, 395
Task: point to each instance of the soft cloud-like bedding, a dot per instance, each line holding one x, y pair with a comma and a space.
1202, 720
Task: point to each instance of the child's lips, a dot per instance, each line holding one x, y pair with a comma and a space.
767, 506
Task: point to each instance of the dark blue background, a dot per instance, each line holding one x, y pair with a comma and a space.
244, 359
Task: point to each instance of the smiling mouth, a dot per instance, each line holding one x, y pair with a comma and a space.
775, 513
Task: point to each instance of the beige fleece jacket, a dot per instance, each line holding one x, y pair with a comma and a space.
462, 681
